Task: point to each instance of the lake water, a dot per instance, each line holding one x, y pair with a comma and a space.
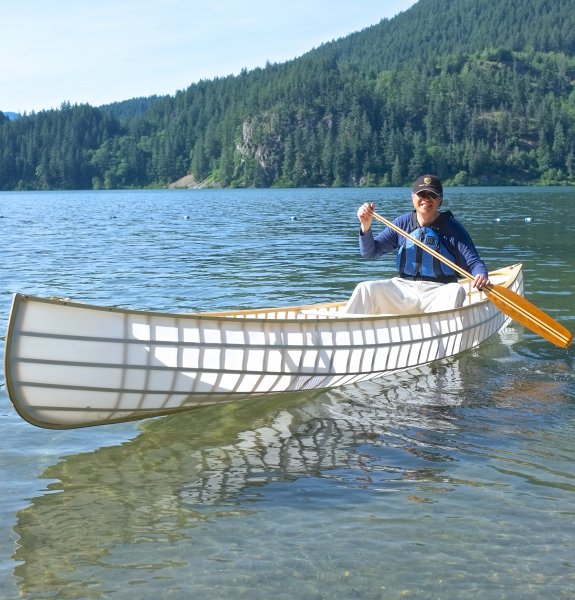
457, 481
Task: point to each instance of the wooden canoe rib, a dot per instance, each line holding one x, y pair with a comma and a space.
74, 365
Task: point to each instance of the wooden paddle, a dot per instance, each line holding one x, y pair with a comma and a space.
506, 300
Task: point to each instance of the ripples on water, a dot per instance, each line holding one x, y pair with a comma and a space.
455, 481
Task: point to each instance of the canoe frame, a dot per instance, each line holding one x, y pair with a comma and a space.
70, 364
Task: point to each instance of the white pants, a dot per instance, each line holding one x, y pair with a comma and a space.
404, 297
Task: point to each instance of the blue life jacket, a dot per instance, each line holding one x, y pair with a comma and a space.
415, 263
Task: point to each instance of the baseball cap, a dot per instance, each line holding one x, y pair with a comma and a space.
429, 183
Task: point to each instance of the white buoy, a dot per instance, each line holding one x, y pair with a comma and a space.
498, 220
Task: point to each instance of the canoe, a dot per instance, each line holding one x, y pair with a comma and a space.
70, 364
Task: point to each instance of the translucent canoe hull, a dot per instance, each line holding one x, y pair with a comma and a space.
70, 364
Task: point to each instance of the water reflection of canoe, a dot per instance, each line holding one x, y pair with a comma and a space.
72, 365
122, 508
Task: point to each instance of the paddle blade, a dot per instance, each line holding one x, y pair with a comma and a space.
528, 315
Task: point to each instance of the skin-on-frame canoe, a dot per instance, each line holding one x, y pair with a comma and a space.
70, 364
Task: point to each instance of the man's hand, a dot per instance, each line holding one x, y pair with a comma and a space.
480, 281
365, 215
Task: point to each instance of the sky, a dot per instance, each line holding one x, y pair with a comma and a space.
111, 50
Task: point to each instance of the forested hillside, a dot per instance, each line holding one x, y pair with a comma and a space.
478, 92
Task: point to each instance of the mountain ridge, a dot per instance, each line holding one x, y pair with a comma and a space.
479, 93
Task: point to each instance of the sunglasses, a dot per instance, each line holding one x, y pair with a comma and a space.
427, 195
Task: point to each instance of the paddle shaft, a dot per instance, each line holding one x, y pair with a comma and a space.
506, 300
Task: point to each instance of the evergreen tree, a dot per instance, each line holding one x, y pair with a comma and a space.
477, 92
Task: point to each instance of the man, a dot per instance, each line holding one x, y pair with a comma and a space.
424, 284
